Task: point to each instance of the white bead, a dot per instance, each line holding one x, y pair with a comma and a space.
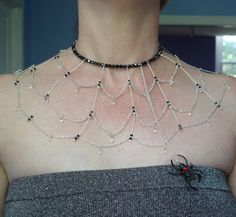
100, 151
228, 87
50, 137
155, 130
189, 114
208, 123
30, 87
62, 119
76, 90
165, 149
111, 139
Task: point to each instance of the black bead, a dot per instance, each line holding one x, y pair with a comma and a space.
46, 96
99, 83
177, 64
76, 53
66, 75
216, 103
30, 118
168, 102
131, 135
180, 127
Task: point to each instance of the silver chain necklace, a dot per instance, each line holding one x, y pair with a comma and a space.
133, 116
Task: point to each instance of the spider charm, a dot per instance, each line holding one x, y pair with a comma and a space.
186, 170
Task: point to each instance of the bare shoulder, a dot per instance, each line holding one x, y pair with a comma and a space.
220, 86
228, 84
45, 74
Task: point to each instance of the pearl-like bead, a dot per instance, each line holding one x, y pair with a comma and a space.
208, 123
62, 119
111, 137
100, 151
76, 90
50, 137
165, 149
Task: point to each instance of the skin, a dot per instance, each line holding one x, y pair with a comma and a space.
115, 32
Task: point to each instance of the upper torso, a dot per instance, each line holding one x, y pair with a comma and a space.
25, 151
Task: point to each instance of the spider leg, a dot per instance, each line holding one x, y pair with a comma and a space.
187, 180
175, 166
197, 170
186, 162
199, 177
175, 174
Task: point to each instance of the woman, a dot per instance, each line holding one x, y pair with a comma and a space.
128, 132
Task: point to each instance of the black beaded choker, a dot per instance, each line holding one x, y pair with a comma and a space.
108, 65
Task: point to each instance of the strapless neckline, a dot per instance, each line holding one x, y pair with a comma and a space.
77, 172
121, 191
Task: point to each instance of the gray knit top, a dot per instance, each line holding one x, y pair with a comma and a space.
140, 191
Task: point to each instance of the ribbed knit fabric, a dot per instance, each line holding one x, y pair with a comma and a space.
140, 191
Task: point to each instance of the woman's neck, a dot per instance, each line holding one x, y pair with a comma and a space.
118, 32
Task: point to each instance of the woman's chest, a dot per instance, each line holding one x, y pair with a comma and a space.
33, 149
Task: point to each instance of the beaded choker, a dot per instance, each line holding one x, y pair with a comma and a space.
133, 115
108, 65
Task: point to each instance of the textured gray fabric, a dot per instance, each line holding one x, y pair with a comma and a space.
139, 191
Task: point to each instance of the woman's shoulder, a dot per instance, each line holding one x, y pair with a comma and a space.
220, 86
21, 82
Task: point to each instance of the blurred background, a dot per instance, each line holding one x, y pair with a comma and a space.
202, 33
